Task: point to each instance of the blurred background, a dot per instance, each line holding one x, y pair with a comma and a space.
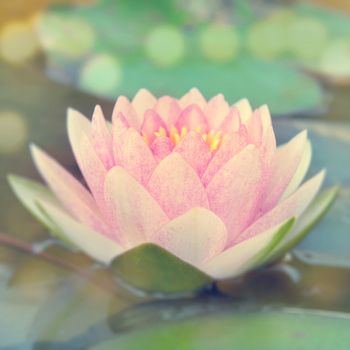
292, 55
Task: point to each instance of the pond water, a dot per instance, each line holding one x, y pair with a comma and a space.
56, 299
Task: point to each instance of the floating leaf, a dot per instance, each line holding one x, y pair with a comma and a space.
270, 329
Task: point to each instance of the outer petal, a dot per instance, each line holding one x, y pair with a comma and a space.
192, 118
133, 154
307, 220
284, 166
301, 171
124, 107
235, 190
194, 96
29, 192
244, 256
195, 236
230, 147
268, 143
293, 206
176, 186
91, 242
255, 128
93, 170
135, 214
101, 138
168, 109
69, 191
216, 111
142, 101
77, 125
244, 108
195, 151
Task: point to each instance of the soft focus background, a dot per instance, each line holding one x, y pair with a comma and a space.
292, 55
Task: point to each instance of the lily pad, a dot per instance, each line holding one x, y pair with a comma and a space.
123, 35
286, 329
284, 89
152, 269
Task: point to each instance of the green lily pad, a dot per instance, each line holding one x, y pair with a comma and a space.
124, 35
152, 269
283, 88
286, 329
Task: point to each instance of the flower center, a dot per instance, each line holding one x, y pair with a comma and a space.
212, 138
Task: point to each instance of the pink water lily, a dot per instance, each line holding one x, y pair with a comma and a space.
202, 179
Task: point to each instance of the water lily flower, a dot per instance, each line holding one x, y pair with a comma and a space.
202, 179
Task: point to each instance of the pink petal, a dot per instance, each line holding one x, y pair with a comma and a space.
268, 143
133, 154
135, 214
77, 126
93, 170
235, 190
120, 125
284, 165
168, 109
195, 151
194, 96
300, 173
101, 138
89, 241
69, 191
255, 128
192, 118
176, 186
244, 109
124, 107
234, 143
216, 111
293, 206
241, 257
195, 236
151, 124
161, 147
231, 122
142, 101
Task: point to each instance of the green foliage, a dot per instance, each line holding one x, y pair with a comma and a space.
272, 329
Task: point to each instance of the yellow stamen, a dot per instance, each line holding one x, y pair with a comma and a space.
214, 139
161, 132
183, 132
174, 135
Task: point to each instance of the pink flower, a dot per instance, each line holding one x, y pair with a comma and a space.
202, 179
